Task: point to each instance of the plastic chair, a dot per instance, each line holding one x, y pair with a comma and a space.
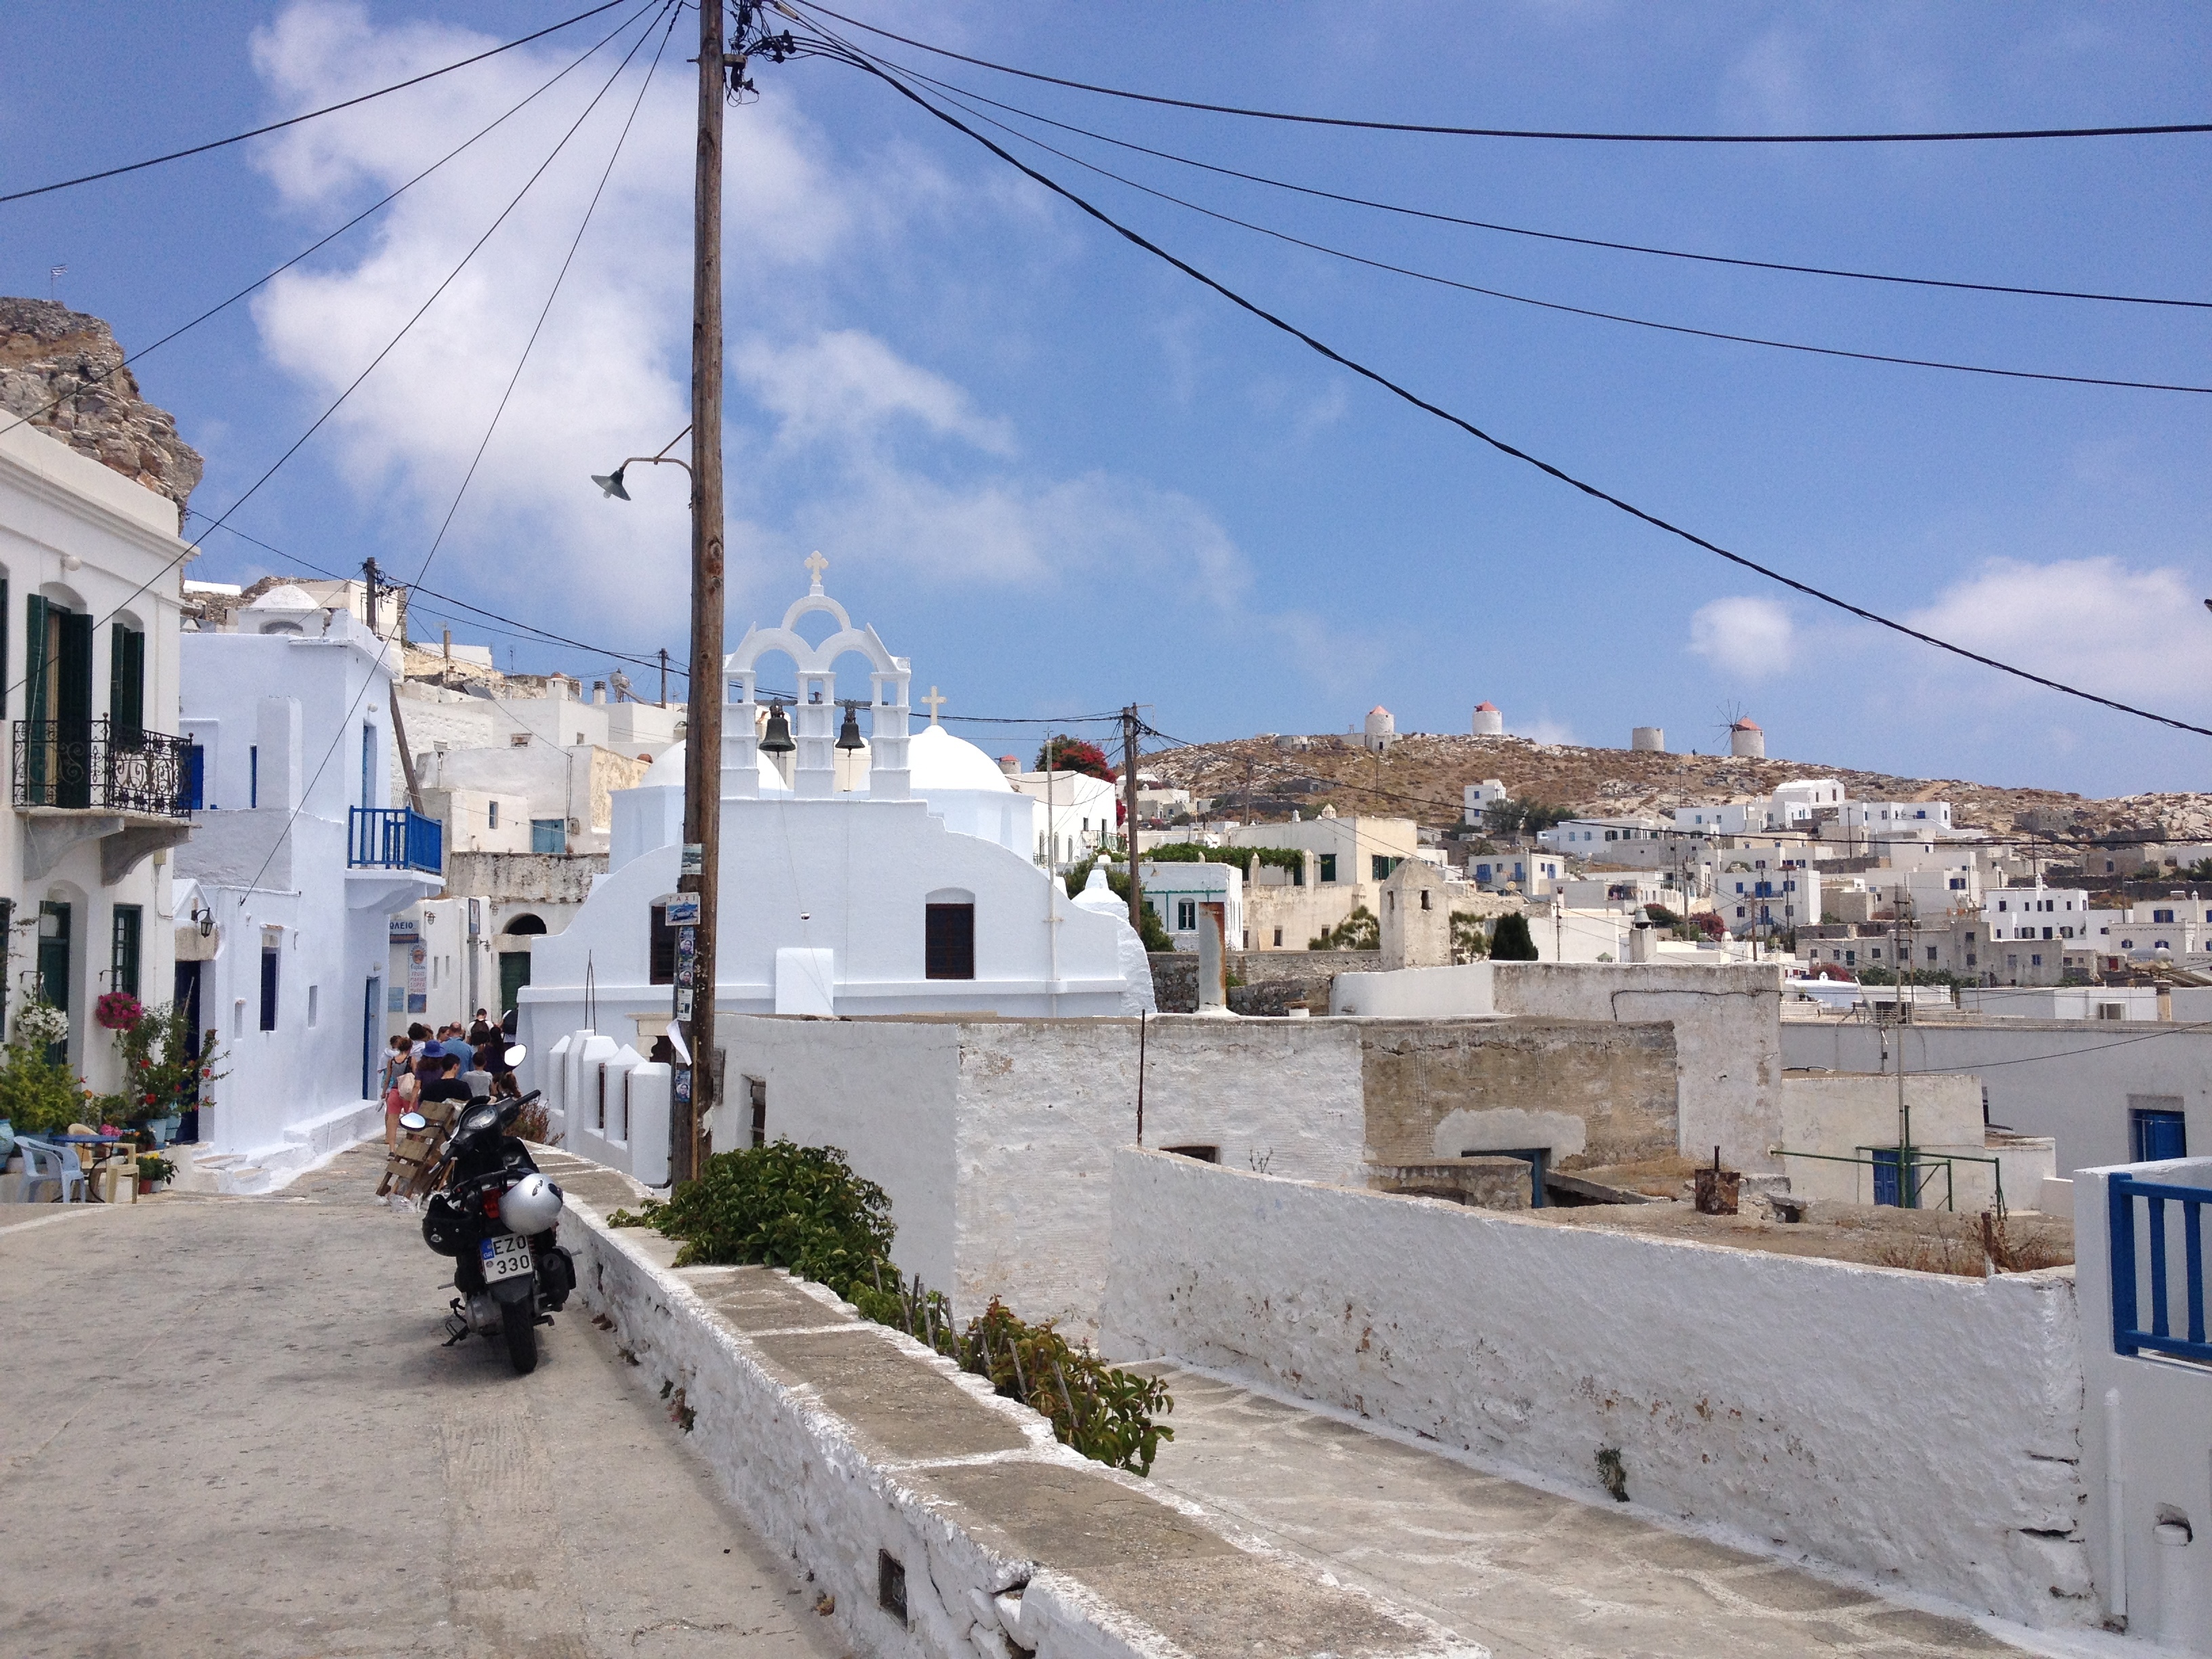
58, 1166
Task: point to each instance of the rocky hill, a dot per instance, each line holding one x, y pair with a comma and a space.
1422, 775
65, 372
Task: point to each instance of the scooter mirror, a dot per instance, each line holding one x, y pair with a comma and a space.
515, 1056
413, 1123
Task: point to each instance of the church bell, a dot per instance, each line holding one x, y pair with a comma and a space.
777, 740
849, 735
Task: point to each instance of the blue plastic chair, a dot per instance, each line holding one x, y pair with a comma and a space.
61, 1168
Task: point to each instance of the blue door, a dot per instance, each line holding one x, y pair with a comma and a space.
2153, 1135
1893, 1184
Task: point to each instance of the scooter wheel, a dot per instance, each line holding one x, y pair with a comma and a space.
521, 1320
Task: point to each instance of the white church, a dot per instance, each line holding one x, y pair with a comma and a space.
887, 873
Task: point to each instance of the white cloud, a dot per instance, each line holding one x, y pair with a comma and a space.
2093, 622
838, 442
847, 385
1749, 638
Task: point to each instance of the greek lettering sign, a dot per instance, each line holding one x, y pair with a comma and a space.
683, 910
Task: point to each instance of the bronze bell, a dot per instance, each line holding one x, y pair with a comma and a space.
778, 739
849, 735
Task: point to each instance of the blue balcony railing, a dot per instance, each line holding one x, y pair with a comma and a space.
2128, 1335
394, 838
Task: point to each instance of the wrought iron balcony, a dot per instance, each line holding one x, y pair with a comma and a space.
95, 766
394, 838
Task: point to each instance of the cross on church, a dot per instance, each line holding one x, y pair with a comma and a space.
935, 703
815, 562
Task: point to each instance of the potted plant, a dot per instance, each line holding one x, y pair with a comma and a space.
159, 1072
153, 1170
118, 1011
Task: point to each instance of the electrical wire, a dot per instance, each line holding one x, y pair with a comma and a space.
2140, 131
1434, 217
131, 358
670, 8
1500, 444
390, 346
294, 121
1576, 311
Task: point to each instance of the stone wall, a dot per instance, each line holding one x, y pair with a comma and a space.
50, 355
1921, 1429
524, 878
1274, 980
1590, 1095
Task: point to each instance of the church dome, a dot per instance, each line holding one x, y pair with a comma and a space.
667, 772
285, 596
938, 759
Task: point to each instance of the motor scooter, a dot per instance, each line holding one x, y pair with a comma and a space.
494, 1214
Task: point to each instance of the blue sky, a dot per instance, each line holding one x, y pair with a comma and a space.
1060, 477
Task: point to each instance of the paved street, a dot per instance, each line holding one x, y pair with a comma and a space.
1532, 1576
227, 1426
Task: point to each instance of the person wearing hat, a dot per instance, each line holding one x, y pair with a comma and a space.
439, 1070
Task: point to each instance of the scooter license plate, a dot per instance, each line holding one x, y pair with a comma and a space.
506, 1256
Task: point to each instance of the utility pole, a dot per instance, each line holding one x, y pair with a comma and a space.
702, 747
664, 677
398, 724
1129, 812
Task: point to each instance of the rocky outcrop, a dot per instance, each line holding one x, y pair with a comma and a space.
65, 372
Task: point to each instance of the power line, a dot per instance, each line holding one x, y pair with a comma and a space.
1434, 217
1575, 311
2143, 131
671, 8
294, 121
375, 207
390, 346
1592, 491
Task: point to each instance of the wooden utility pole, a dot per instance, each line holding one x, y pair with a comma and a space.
398, 724
664, 677
1129, 812
702, 746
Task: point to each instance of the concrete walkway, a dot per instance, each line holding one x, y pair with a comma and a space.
1534, 1575
227, 1426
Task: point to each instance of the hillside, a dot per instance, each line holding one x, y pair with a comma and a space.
1424, 775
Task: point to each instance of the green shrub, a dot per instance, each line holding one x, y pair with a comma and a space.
1360, 931
1510, 940
803, 1208
778, 1206
38, 1095
1470, 939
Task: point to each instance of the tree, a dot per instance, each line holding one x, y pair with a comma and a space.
1075, 755
1510, 941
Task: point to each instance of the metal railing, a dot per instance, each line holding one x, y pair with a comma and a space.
1912, 1169
2128, 1335
95, 766
394, 838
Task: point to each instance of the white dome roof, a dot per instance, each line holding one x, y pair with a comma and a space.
938, 759
285, 596
668, 772
1097, 896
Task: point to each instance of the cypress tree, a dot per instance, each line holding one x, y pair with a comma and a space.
1510, 940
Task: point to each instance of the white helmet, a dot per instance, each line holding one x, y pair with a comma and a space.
530, 1206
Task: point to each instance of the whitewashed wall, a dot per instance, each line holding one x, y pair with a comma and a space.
995, 1140
2147, 1443
1924, 1428
2069, 1079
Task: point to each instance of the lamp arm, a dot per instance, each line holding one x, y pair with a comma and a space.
658, 460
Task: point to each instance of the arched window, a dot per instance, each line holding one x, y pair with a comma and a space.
524, 923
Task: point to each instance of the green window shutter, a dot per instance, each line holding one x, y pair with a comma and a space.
3, 647
126, 684
123, 958
34, 660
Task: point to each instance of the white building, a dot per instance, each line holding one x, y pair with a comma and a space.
296, 863
1381, 730
1598, 838
915, 890
89, 593
1745, 740
1488, 722
1481, 796
1078, 816
1760, 891
1178, 895
1525, 872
